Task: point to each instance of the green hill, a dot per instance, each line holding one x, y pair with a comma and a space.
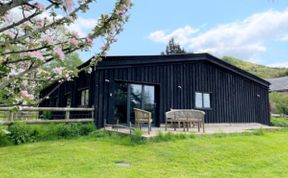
256, 69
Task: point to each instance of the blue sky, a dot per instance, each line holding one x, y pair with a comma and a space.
255, 30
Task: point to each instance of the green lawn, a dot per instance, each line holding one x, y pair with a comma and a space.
204, 156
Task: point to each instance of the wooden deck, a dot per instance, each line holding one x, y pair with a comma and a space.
209, 129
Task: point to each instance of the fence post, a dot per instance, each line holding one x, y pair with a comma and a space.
67, 114
11, 116
92, 112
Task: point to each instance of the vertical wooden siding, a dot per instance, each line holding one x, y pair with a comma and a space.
234, 98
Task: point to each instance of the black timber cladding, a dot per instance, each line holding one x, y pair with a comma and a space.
236, 95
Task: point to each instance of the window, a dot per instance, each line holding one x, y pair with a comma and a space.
85, 97
202, 100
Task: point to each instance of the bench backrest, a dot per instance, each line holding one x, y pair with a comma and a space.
142, 115
185, 114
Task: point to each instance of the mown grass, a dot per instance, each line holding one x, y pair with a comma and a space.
235, 155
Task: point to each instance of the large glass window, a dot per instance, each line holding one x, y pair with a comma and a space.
85, 97
202, 100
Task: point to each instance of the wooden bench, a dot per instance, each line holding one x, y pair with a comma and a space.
143, 117
186, 118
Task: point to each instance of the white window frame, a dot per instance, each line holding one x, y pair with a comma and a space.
204, 105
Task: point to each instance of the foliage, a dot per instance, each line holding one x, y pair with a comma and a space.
47, 115
68, 130
99, 134
86, 129
258, 70
279, 122
34, 36
173, 48
4, 140
278, 103
71, 62
20, 133
204, 156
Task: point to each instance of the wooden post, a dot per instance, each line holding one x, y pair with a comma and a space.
92, 112
11, 116
67, 114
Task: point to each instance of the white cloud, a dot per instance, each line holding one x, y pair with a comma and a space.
181, 35
280, 64
83, 25
244, 38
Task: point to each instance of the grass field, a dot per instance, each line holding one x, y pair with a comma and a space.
204, 156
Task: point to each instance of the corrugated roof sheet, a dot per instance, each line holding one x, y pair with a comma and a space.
279, 84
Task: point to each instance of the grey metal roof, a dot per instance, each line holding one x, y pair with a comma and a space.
279, 84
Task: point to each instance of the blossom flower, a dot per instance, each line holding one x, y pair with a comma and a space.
9, 34
74, 42
39, 6
36, 54
48, 40
75, 34
58, 70
68, 4
40, 22
59, 53
24, 94
88, 41
25, 82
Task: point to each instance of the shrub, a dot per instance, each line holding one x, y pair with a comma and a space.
279, 103
136, 137
280, 122
20, 133
4, 139
99, 133
47, 115
86, 129
68, 130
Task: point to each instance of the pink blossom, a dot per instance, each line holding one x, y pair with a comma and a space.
58, 70
39, 6
24, 93
36, 54
68, 4
48, 40
74, 42
88, 41
9, 34
59, 53
27, 8
75, 34
40, 22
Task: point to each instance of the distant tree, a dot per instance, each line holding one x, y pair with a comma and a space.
173, 48
71, 62
279, 103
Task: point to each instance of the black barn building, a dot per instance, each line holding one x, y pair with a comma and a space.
158, 83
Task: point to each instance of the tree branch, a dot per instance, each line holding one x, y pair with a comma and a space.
10, 5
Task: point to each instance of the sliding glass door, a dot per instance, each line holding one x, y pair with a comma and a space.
129, 96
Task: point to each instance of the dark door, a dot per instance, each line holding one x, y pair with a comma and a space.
129, 96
